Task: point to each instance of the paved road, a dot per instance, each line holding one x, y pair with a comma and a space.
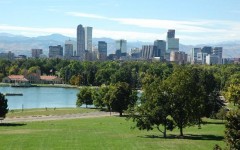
67, 116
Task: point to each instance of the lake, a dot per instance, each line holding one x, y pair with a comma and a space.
41, 97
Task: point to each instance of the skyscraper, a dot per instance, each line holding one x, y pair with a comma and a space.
36, 53
121, 48
171, 33
161, 48
218, 51
55, 51
68, 49
102, 50
148, 51
88, 38
172, 44
80, 42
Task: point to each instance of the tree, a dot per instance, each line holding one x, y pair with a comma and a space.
120, 97
98, 96
232, 133
84, 97
3, 106
232, 92
154, 110
188, 94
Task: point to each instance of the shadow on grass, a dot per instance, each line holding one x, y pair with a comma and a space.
11, 124
212, 122
188, 137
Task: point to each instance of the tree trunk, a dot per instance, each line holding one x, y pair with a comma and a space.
120, 114
181, 131
165, 132
86, 105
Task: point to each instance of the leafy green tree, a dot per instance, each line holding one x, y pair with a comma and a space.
84, 97
120, 97
98, 96
3, 106
154, 110
233, 93
187, 95
232, 133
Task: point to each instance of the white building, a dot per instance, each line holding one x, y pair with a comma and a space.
195, 51
212, 59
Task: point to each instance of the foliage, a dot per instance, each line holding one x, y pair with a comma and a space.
232, 133
3, 106
84, 97
119, 97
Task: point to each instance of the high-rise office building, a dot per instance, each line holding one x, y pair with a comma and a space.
121, 45
172, 44
88, 38
102, 50
171, 33
80, 42
218, 51
55, 51
207, 49
148, 51
161, 48
68, 51
178, 57
36, 53
195, 52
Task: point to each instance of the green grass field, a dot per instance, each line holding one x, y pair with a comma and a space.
113, 133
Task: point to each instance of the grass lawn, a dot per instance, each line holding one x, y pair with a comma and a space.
49, 111
111, 133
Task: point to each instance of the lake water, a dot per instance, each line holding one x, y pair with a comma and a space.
40, 97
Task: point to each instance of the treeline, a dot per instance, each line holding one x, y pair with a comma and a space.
135, 73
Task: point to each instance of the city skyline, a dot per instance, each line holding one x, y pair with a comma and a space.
198, 22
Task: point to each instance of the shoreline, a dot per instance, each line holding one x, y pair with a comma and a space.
43, 85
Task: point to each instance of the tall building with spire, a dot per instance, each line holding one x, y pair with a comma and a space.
80, 42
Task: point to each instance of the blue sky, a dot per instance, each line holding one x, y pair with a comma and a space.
195, 21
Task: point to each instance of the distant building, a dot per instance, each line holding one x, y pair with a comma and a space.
195, 51
135, 53
178, 57
218, 51
88, 39
36, 53
161, 48
212, 59
121, 48
172, 44
148, 51
207, 49
171, 33
9, 55
102, 50
80, 42
55, 51
68, 49
201, 58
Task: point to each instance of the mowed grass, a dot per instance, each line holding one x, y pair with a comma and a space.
106, 133
48, 112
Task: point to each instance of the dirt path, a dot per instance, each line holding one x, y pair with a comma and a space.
62, 117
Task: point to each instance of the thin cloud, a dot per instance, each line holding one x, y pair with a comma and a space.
182, 26
85, 15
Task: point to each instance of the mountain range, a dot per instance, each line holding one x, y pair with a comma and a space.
19, 44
